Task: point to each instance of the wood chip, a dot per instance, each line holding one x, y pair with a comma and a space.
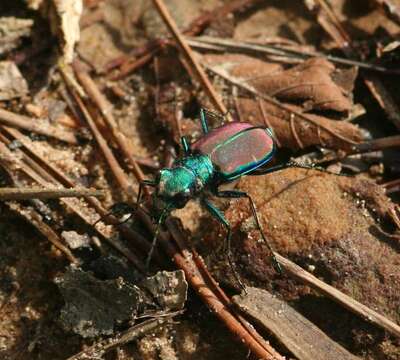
300, 336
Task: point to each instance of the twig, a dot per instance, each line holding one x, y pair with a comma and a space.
106, 111
213, 300
377, 144
50, 174
279, 50
134, 65
7, 194
275, 102
36, 220
227, 302
197, 26
392, 186
187, 51
97, 350
384, 99
118, 172
348, 302
34, 125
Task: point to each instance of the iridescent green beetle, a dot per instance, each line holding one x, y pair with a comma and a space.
220, 156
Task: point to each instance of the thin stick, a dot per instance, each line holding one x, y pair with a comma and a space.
97, 350
215, 301
118, 172
187, 51
54, 176
106, 111
134, 65
36, 220
34, 125
377, 144
348, 302
10, 194
197, 26
279, 50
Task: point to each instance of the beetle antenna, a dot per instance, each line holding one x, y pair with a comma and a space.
154, 241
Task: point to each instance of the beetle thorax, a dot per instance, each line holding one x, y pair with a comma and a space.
186, 179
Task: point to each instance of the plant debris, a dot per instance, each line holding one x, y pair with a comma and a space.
95, 307
12, 83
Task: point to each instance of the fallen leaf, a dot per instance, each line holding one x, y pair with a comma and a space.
12, 83
310, 83
63, 16
11, 31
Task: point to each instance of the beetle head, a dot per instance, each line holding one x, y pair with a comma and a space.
175, 186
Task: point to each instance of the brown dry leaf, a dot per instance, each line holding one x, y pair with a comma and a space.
12, 30
310, 83
12, 83
392, 9
64, 16
296, 133
315, 84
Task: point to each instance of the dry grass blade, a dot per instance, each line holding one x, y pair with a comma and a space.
23, 122
187, 51
346, 301
146, 53
7, 193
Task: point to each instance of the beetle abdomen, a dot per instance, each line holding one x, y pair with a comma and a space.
236, 149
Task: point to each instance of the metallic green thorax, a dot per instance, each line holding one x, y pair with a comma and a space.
186, 179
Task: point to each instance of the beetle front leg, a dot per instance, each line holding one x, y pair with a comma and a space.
218, 215
241, 194
124, 208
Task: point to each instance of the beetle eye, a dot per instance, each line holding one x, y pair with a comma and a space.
181, 199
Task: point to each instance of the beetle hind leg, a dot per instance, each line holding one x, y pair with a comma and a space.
203, 118
218, 215
241, 194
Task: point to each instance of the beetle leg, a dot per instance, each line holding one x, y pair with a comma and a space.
203, 119
241, 194
218, 215
142, 184
185, 145
160, 221
292, 164
117, 207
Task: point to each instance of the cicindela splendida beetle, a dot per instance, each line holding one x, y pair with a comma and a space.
220, 156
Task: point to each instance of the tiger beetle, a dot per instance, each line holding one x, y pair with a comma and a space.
220, 156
